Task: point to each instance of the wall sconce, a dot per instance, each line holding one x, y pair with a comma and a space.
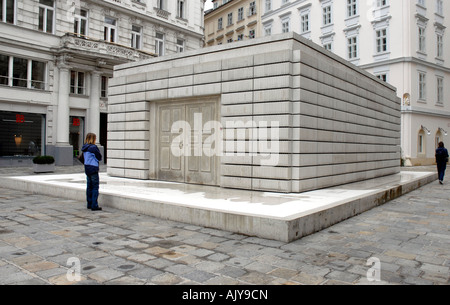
425, 129
442, 130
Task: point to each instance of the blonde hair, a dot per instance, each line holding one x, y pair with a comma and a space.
90, 138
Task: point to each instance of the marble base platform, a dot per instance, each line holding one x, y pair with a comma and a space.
277, 216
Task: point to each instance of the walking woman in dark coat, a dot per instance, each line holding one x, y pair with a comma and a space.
441, 160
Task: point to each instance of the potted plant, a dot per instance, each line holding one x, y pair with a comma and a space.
43, 164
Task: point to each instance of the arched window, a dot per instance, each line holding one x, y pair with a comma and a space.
438, 138
421, 143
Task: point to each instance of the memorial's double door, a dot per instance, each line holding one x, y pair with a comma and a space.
181, 139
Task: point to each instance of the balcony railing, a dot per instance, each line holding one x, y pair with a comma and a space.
161, 13
100, 47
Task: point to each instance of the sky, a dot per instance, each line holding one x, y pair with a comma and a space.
208, 5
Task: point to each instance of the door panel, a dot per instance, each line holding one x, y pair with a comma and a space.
171, 166
201, 168
192, 166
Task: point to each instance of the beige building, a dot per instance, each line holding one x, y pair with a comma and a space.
56, 58
232, 20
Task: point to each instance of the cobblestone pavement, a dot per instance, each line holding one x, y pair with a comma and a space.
406, 241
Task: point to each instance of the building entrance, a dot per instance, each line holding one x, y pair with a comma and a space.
76, 137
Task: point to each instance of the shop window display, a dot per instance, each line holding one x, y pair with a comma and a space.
21, 134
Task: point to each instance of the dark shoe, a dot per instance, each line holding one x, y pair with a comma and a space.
89, 208
96, 209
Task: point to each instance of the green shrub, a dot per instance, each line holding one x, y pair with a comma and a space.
44, 160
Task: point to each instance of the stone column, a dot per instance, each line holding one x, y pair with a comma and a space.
94, 108
94, 105
63, 150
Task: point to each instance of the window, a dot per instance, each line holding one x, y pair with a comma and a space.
252, 9
220, 23
304, 20
21, 72
230, 19
382, 76
422, 86
110, 29
438, 139
4, 69
240, 14
136, 36
7, 11
240, 37
46, 15
159, 44
22, 134
440, 46
440, 90
38, 72
181, 8
268, 5
285, 25
80, 25
422, 40
352, 8
381, 3
104, 87
440, 7
352, 45
421, 2
327, 15
161, 4
421, 147
77, 82
381, 40
268, 29
251, 34
180, 45
20, 69
328, 46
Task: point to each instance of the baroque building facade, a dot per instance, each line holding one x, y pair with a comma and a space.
56, 58
405, 43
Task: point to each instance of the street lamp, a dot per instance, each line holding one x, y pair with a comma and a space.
425, 129
442, 130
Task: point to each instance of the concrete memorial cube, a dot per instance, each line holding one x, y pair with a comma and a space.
273, 114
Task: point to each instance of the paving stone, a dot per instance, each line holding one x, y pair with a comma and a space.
256, 278
39, 266
166, 279
141, 257
218, 257
105, 275
308, 279
198, 276
179, 269
38, 235
232, 272
283, 273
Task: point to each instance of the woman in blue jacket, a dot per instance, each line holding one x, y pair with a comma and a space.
92, 157
441, 160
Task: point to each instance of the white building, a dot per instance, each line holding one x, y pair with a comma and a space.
56, 58
405, 42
